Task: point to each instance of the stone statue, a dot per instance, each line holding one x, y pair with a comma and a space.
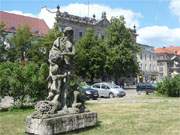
60, 60
53, 116
60, 68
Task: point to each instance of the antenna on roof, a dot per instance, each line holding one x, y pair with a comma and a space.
88, 8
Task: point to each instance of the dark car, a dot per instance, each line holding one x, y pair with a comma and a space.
90, 93
146, 87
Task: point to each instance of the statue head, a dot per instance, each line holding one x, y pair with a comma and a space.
68, 32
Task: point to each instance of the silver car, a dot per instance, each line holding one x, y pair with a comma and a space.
108, 90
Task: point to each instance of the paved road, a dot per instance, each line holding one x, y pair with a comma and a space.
130, 93
131, 97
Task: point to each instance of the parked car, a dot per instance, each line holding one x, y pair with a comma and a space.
146, 87
108, 90
89, 93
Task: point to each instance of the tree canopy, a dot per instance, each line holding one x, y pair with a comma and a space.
20, 81
22, 41
40, 47
90, 56
112, 57
122, 50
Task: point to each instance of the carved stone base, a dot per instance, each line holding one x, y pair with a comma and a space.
60, 124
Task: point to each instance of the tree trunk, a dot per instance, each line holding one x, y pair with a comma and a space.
92, 78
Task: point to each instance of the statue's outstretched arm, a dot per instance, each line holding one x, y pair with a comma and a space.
59, 76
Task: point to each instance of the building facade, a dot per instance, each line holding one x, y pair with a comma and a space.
147, 64
168, 59
80, 24
175, 69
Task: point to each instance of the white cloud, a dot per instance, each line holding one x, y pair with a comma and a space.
175, 7
159, 36
48, 17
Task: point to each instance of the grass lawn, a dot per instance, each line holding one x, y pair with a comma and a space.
141, 115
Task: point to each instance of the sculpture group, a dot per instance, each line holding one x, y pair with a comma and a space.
53, 115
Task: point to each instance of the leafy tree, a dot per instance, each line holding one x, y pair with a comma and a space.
20, 81
2, 50
2, 39
40, 46
90, 56
36, 82
22, 41
2, 32
6, 54
122, 50
12, 81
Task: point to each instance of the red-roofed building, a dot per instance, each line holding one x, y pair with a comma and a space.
12, 21
168, 59
175, 50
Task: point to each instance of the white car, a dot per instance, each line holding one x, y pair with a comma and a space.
108, 90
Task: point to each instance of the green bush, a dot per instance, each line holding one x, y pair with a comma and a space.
169, 87
23, 82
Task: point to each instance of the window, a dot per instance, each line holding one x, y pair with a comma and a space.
140, 66
160, 69
80, 34
141, 56
104, 86
102, 36
96, 86
13, 28
155, 67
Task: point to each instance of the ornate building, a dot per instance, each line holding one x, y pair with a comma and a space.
80, 24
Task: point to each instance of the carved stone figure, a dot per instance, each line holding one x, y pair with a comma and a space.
60, 59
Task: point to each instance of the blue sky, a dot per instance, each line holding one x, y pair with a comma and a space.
157, 20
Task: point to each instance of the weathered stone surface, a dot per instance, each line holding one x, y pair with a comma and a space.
60, 124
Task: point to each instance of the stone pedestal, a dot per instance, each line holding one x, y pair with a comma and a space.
60, 124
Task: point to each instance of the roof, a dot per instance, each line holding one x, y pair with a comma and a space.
168, 50
143, 45
13, 21
78, 19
